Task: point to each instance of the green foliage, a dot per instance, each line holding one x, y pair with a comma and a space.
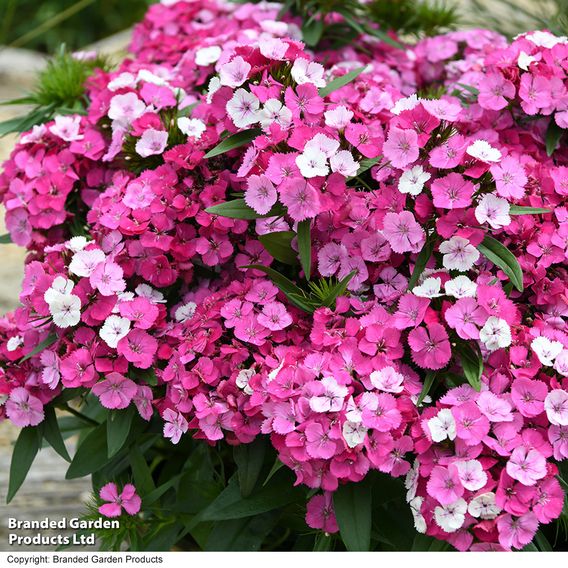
502, 257
353, 505
416, 17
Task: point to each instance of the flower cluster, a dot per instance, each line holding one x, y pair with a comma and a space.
359, 253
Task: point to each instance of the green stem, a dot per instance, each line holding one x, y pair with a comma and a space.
78, 414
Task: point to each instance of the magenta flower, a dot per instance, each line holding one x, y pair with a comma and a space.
128, 500
274, 316
320, 513
139, 348
430, 346
318, 441
402, 232
471, 425
528, 396
300, 197
116, 391
23, 409
452, 191
445, 485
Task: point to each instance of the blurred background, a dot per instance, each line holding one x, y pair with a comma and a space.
30, 30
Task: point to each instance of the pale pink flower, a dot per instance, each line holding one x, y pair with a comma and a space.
260, 194
401, 147
516, 532
526, 465
175, 425
116, 391
234, 73
243, 108
556, 407
402, 232
24, 409
274, 316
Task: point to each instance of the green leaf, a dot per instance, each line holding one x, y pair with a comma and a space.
141, 472
365, 165
47, 342
552, 137
249, 459
241, 535
275, 467
91, 455
5, 239
322, 542
522, 210
52, 433
469, 89
238, 209
147, 375
159, 491
472, 364
353, 509
503, 258
423, 543
428, 382
290, 290
305, 246
118, 428
421, 261
542, 542
337, 290
24, 453
312, 31
234, 141
278, 245
339, 82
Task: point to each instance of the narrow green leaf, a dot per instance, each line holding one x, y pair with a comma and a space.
24, 453
47, 342
552, 137
305, 246
238, 209
503, 258
542, 542
428, 382
353, 508
141, 472
322, 542
5, 239
421, 261
52, 433
469, 89
312, 31
339, 82
249, 459
472, 364
278, 246
234, 141
338, 290
118, 428
522, 210
91, 455
276, 466
365, 165
290, 290
152, 497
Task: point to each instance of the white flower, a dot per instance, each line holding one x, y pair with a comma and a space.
243, 108
483, 151
561, 363
275, 111
344, 163
67, 128
546, 350
84, 262
76, 244
459, 254
461, 287
524, 60
493, 210
407, 103
146, 291
495, 334
206, 56
556, 406
419, 521
234, 73
185, 312
442, 426
354, 433
387, 380
471, 474
243, 379
66, 310
59, 287
352, 412
430, 288
192, 127
329, 146
412, 181
212, 88
483, 506
273, 48
312, 163
411, 480
451, 517
123, 80
545, 39
151, 142
338, 118
126, 108
14, 343
304, 71
114, 329
149, 77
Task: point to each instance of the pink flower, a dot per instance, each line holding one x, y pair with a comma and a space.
274, 316
234, 73
430, 346
402, 232
549, 500
411, 311
445, 485
108, 279
175, 425
139, 348
401, 147
526, 465
381, 413
300, 198
471, 425
23, 409
116, 391
510, 178
466, 316
318, 441
250, 330
471, 474
516, 532
320, 513
260, 194
556, 407
128, 500
528, 396
493, 90
452, 191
